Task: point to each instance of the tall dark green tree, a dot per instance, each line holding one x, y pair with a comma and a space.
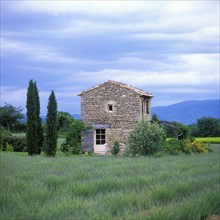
38, 119
32, 120
51, 126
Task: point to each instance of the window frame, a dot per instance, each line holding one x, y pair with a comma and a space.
100, 137
110, 107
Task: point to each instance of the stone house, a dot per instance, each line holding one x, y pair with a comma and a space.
113, 109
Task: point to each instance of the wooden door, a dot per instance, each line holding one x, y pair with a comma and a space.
100, 141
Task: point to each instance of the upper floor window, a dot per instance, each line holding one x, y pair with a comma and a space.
110, 108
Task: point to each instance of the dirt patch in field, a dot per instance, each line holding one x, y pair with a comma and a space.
214, 217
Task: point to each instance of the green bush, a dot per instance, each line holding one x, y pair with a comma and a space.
19, 144
183, 131
71, 147
72, 143
175, 147
145, 139
116, 148
3, 134
197, 147
9, 148
88, 153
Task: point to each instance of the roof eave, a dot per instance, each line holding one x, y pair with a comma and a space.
147, 95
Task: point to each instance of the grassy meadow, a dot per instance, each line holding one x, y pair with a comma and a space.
109, 187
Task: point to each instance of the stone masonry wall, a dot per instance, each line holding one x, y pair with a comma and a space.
127, 110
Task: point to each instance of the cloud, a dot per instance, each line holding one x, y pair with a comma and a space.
17, 97
185, 90
199, 36
141, 78
184, 69
114, 8
93, 8
172, 71
36, 52
96, 17
13, 95
169, 48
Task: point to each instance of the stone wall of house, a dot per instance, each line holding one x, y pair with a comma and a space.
127, 110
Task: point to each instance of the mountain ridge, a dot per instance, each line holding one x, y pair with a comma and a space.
187, 112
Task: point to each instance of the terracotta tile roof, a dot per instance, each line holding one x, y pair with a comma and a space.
123, 85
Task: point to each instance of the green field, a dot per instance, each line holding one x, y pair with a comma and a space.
209, 140
108, 187
60, 140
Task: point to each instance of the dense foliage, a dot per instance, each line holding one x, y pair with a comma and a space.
38, 120
145, 139
72, 142
34, 131
206, 127
183, 131
10, 117
175, 147
51, 126
155, 119
176, 130
3, 134
116, 148
172, 129
64, 119
18, 144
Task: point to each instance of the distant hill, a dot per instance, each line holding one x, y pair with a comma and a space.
76, 116
44, 117
189, 111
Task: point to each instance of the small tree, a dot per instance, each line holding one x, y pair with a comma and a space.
10, 116
208, 127
116, 148
73, 139
183, 131
65, 119
38, 120
145, 139
32, 120
51, 126
155, 119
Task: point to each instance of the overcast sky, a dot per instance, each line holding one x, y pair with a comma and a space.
168, 48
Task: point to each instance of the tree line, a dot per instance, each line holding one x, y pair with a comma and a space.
39, 136
34, 130
11, 119
205, 127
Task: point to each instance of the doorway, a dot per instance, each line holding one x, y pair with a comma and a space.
100, 141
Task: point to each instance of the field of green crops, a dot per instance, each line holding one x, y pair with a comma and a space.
109, 187
213, 140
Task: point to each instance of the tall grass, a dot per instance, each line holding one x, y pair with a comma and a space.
107, 187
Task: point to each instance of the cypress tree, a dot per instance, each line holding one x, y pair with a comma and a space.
32, 124
39, 121
51, 126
